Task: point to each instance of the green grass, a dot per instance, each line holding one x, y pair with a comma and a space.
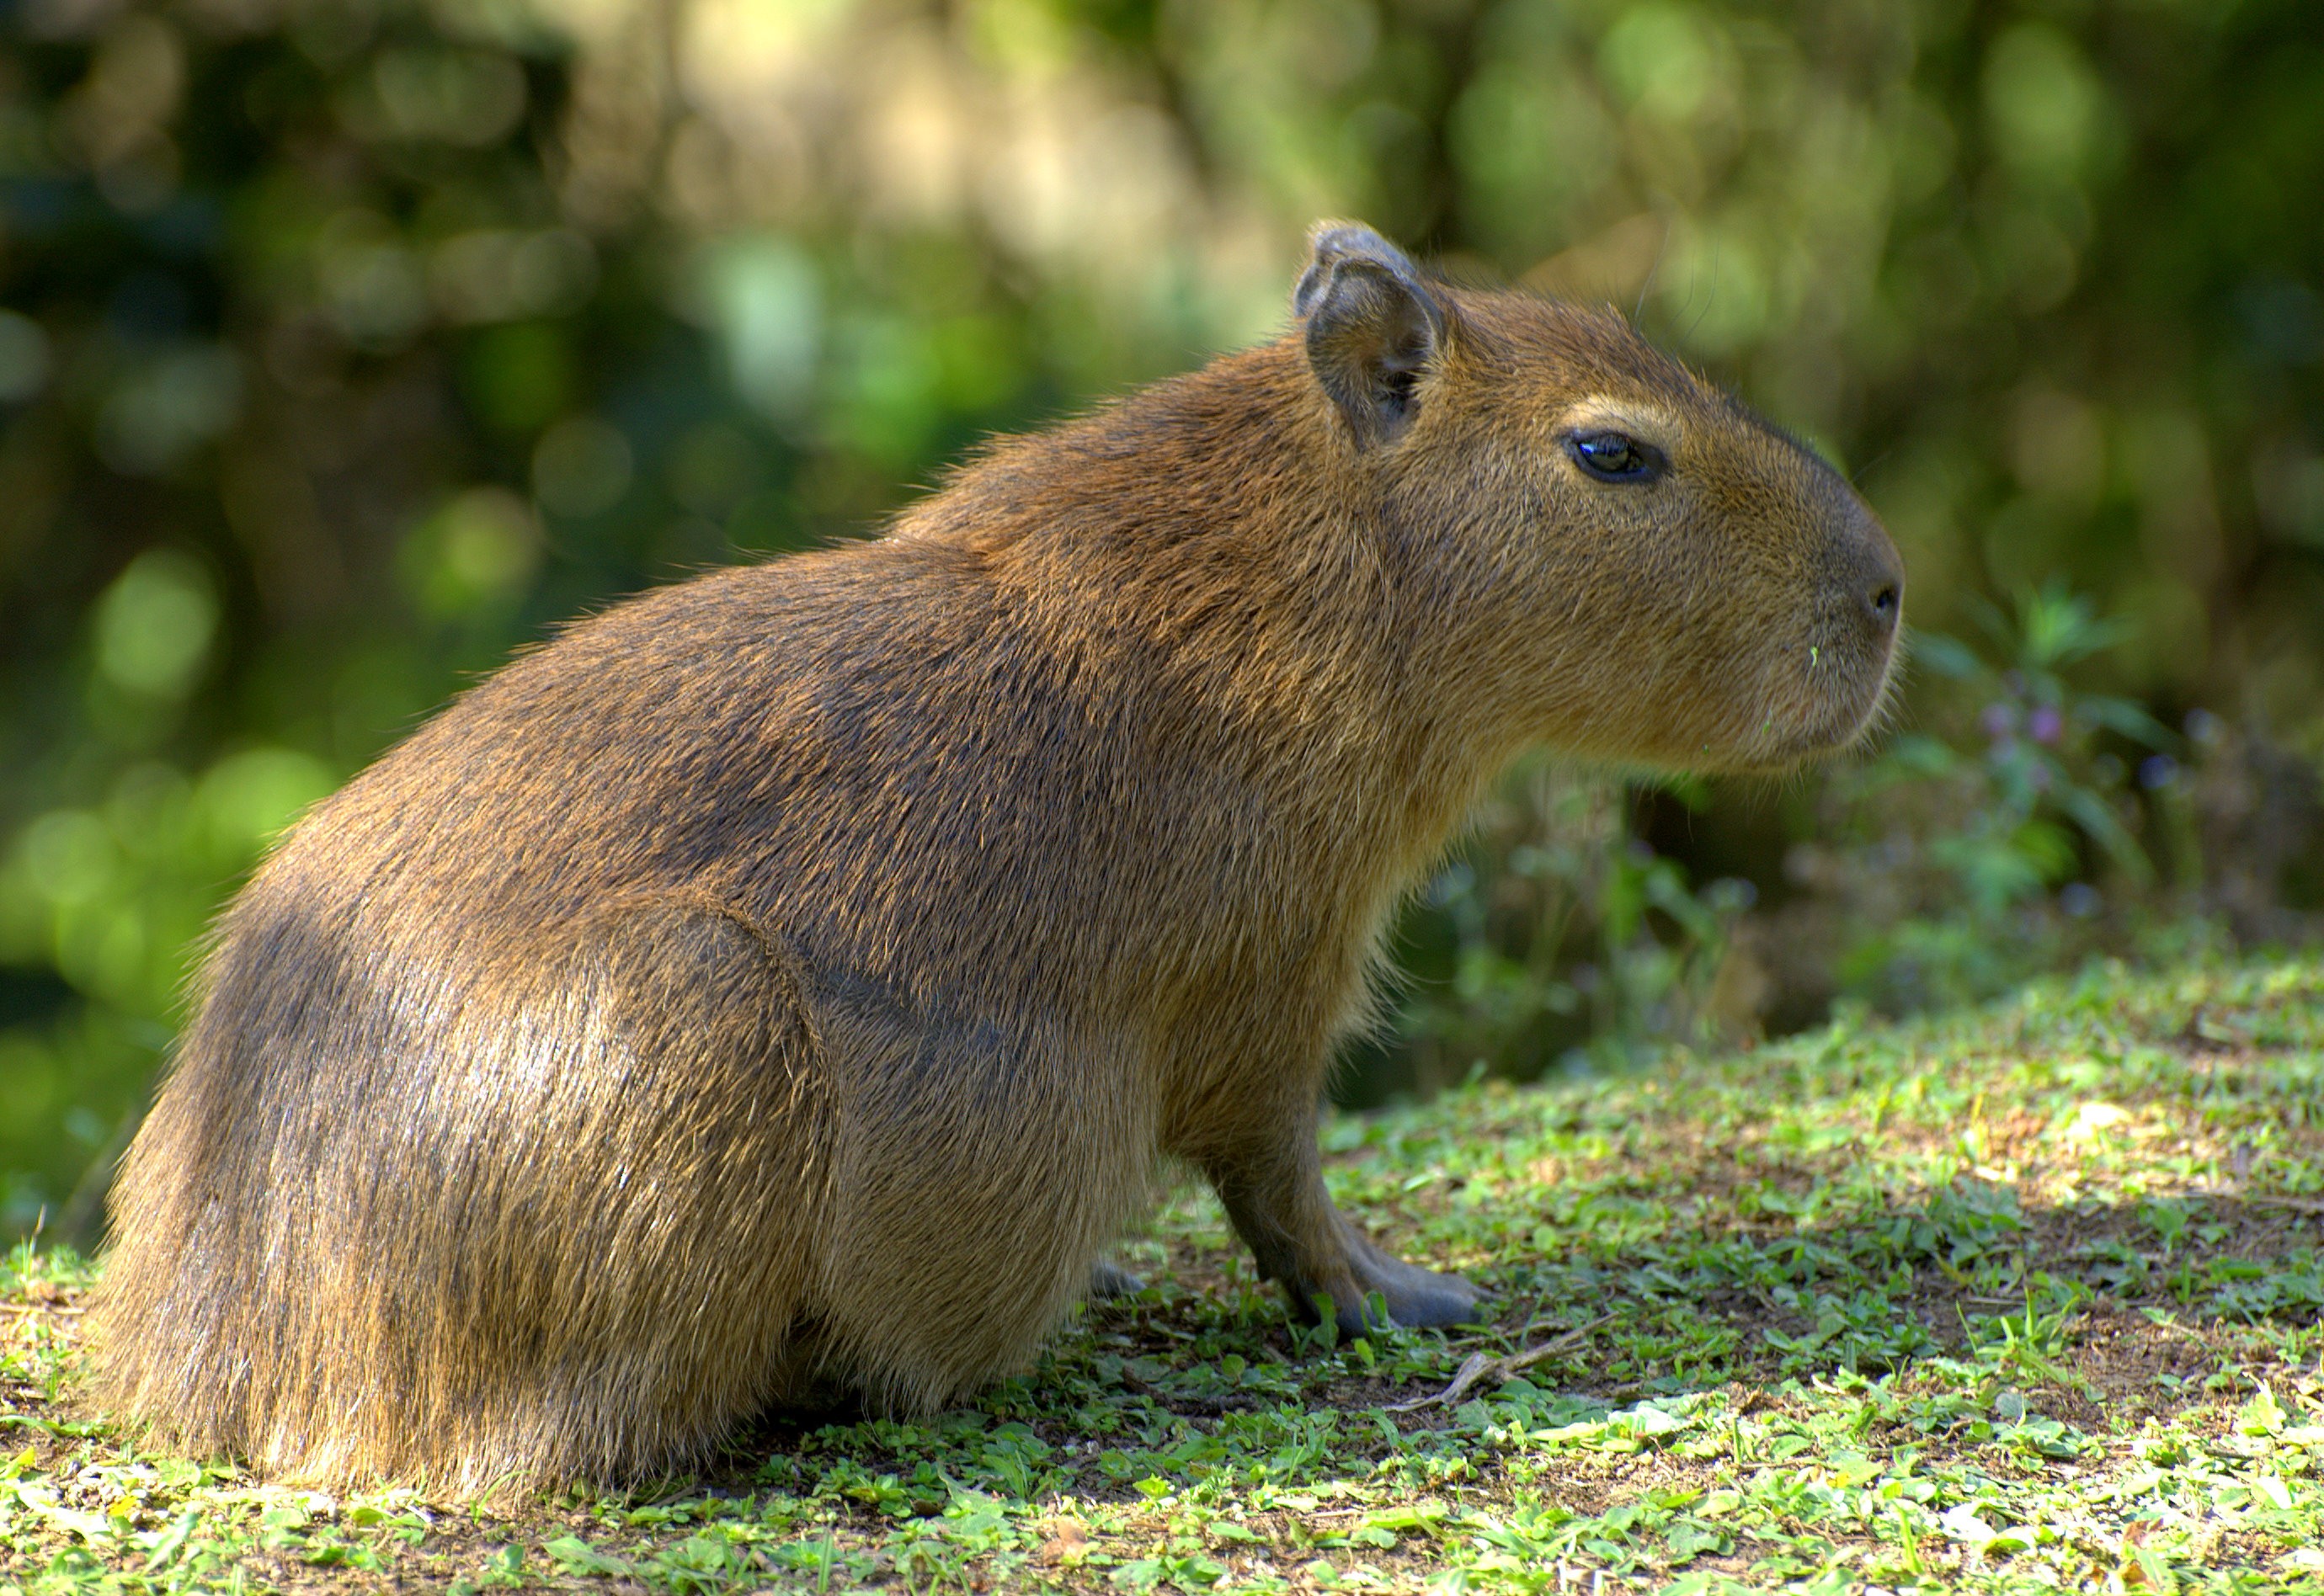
2022, 1299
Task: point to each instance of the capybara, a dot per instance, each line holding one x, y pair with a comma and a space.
790, 981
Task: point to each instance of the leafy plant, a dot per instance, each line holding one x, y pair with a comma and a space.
2049, 793
1558, 935
1971, 852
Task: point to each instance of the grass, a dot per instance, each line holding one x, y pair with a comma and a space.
2022, 1299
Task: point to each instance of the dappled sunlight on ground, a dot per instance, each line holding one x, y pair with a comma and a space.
2006, 1300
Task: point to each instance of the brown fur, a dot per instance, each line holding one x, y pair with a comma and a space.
794, 976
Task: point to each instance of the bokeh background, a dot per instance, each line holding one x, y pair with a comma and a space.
348, 345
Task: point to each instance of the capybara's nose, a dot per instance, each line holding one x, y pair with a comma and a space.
1885, 601
1876, 574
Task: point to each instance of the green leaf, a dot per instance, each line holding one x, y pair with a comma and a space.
577, 1557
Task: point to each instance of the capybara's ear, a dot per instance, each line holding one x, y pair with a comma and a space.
1373, 326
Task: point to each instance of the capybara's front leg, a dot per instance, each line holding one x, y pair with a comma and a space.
1275, 1195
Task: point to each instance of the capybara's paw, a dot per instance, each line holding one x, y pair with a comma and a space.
1109, 1280
1415, 1298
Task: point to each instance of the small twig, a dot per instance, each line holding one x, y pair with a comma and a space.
1525, 1319
2297, 1204
1477, 1366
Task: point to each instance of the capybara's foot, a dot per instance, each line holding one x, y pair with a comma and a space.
1327, 1266
1109, 1280
1415, 1298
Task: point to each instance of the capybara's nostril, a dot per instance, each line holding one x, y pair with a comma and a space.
1879, 577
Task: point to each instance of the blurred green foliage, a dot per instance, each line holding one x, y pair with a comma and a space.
1557, 939
1962, 860
347, 344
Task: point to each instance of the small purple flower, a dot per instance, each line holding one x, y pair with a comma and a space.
1998, 721
2157, 771
2045, 725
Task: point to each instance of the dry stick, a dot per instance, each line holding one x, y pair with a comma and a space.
2298, 1205
1476, 1366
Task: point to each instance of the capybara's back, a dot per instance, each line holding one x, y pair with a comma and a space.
789, 982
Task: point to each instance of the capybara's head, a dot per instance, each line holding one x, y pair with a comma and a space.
1645, 571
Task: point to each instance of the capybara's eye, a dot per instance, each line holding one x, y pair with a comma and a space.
1615, 457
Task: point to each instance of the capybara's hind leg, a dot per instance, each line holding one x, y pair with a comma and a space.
682, 1175
547, 1220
